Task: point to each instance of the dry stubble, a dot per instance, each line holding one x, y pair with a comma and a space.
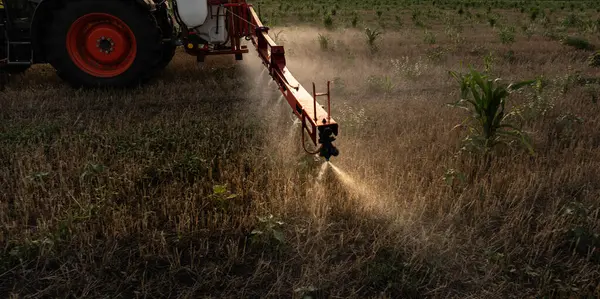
109, 192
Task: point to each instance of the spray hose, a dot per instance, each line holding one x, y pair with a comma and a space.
304, 143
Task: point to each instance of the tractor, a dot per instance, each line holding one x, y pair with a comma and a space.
125, 43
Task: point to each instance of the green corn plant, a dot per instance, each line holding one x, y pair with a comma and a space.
489, 123
324, 41
372, 36
488, 62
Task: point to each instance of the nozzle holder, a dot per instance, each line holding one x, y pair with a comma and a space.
326, 139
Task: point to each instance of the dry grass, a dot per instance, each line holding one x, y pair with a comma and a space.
110, 193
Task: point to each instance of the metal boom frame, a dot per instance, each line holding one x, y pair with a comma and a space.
316, 121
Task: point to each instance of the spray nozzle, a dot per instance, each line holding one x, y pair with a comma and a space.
326, 139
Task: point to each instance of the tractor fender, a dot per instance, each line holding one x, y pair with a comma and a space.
41, 17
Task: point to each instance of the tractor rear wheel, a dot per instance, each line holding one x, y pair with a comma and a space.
168, 54
109, 43
166, 25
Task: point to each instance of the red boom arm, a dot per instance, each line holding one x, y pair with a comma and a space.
316, 121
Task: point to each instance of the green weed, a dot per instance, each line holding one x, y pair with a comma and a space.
399, 22
594, 59
222, 198
429, 37
383, 84
534, 13
269, 230
354, 21
324, 41
593, 92
328, 21
488, 62
507, 35
578, 43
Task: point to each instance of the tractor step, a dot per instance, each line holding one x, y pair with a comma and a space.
19, 53
21, 23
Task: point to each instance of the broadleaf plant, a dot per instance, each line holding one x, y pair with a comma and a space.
269, 229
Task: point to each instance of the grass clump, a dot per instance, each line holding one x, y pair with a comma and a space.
594, 59
354, 21
593, 92
328, 21
507, 35
578, 43
535, 12
429, 37
323, 42
399, 22
571, 20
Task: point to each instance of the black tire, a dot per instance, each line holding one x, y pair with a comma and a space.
167, 27
168, 54
142, 24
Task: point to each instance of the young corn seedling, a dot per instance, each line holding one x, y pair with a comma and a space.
324, 42
372, 37
489, 124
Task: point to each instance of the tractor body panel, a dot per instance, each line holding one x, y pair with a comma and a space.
16, 30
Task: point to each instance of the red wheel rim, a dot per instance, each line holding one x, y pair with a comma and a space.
101, 45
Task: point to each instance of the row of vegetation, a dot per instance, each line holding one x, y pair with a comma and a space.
401, 15
373, 39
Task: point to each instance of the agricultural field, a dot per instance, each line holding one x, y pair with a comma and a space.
197, 186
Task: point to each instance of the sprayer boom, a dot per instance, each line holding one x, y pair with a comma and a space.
317, 122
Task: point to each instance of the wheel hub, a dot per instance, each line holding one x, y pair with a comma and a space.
101, 45
105, 45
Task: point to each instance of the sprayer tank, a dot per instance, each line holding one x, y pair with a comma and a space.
193, 13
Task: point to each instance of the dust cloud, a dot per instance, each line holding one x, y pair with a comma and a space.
309, 63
